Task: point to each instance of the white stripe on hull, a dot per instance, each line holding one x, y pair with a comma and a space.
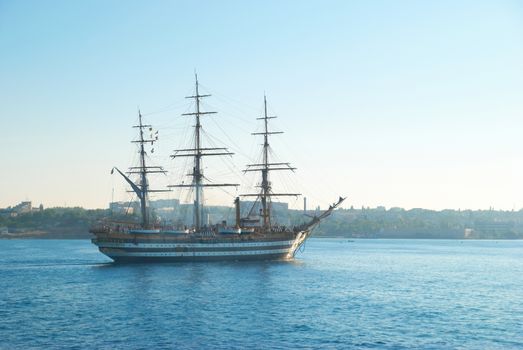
193, 245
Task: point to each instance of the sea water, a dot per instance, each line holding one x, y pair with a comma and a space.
337, 294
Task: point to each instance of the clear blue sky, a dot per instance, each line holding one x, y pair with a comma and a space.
394, 103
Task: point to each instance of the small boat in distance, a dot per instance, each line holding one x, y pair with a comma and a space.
254, 237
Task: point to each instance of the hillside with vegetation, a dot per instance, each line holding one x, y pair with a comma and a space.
349, 223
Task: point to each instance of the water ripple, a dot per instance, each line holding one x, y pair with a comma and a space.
377, 294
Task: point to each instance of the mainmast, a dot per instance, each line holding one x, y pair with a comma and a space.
266, 187
197, 153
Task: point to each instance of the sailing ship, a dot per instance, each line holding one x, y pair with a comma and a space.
251, 238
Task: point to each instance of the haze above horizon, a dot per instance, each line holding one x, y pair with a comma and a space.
402, 104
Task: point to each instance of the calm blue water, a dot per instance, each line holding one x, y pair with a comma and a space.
389, 294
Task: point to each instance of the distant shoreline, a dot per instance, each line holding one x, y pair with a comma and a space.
368, 223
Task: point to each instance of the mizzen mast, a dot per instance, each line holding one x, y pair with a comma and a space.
266, 167
197, 153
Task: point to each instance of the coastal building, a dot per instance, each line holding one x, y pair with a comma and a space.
171, 210
24, 207
123, 208
496, 228
165, 208
255, 207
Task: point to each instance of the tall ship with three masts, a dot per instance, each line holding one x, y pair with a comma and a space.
254, 237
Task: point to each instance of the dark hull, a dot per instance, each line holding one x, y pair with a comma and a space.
145, 248
145, 260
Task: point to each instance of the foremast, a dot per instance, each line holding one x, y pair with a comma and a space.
265, 168
198, 152
142, 189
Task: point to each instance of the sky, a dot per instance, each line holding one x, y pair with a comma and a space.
413, 104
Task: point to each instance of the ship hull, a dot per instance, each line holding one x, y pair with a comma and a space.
178, 259
162, 248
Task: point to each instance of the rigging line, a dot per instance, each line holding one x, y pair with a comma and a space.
170, 126
235, 147
285, 185
181, 172
304, 189
188, 135
227, 160
254, 203
225, 97
184, 140
190, 107
228, 213
167, 108
298, 156
228, 114
227, 192
297, 178
215, 142
253, 149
